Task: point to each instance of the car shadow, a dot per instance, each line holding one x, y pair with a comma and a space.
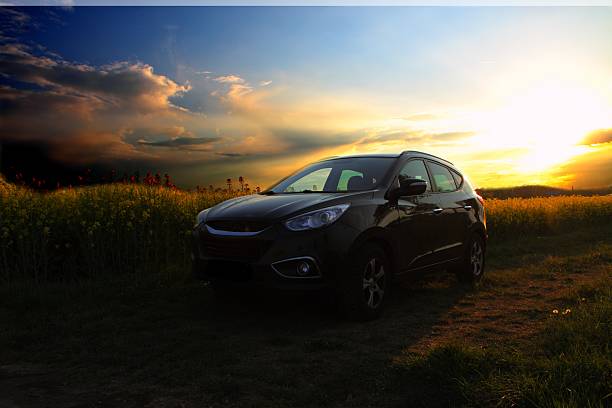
179, 346
412, 310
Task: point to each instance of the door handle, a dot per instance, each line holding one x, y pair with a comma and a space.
437, 210
467, 207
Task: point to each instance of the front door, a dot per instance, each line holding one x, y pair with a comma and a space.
450, 217
417, 220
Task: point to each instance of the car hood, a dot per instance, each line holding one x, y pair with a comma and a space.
260, 206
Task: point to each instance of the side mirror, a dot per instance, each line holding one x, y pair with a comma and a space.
408, 187
412, 187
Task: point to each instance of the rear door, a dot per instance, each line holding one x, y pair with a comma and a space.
450, 214
417, 231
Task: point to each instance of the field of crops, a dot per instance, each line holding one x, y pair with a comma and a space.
125, 228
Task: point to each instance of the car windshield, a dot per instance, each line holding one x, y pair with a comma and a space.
337, 175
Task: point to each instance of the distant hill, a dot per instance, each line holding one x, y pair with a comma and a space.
538, 191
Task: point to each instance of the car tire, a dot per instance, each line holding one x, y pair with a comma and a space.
472, 267
365, 283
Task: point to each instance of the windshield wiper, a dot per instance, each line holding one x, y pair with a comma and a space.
269, 192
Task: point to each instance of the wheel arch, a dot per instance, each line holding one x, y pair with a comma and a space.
480, 229
377, 236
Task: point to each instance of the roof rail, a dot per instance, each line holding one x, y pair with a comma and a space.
327, 158
427, 154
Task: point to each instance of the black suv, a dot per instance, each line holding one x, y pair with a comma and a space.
352, 224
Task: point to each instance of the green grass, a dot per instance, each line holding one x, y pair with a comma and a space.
126, 343
567, 364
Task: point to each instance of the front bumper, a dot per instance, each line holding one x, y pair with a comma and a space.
248, 260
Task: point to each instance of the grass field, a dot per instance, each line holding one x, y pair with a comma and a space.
536, 333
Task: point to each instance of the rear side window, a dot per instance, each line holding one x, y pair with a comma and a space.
442, 177
415, 169
458, 178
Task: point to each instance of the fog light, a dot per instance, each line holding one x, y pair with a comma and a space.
303, 268
300, 267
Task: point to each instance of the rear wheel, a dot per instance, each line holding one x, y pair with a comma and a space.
365, 284
472, 267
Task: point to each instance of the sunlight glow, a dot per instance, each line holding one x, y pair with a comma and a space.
549, 121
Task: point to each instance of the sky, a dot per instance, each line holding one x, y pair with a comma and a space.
511, 95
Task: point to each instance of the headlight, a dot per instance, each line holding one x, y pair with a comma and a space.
316, 219
202, 216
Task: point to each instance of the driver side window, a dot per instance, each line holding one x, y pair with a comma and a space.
415, 169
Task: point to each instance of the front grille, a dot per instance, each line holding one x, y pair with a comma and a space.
238, 248
239, 225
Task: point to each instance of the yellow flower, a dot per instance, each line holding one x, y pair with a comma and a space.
555, 311
567, 311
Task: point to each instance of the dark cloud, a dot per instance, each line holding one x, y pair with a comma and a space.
13, 21
229, 154
81, 112
35, 165
598, 136
589, 170
306, 141
181, 142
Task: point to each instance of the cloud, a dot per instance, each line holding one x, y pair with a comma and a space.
229, 154
450, 136
13, 21
264, 83
234, 94
181, 142
88, 147
413, 136
124, 85
81, 112
230, 79
598, 136
589, 170
237, 91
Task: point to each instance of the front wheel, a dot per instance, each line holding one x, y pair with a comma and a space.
472, 266
365, 284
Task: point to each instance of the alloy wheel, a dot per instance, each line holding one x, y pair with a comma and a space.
374, 282
476, 258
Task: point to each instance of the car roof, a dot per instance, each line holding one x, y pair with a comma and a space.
392, 155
